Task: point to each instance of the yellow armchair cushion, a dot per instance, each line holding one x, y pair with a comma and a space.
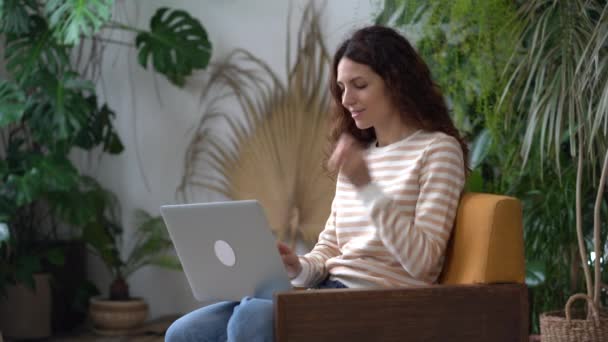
487, 242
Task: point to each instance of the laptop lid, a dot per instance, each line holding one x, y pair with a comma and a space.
226, 249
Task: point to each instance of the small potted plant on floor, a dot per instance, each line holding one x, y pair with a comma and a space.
120, 313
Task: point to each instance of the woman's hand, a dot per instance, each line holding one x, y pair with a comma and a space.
290, 260
348, 159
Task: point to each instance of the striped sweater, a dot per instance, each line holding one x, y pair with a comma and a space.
393, 231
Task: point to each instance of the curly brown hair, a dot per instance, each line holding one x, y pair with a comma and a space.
407, 78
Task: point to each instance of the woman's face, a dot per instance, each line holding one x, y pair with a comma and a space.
364, 95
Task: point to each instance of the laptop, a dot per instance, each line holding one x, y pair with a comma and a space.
226, 249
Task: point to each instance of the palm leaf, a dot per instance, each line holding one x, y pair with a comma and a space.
593, 73
276, 149
104, 243
177, 44
151, 242
73, 19
558, 93
545, 79
166, 261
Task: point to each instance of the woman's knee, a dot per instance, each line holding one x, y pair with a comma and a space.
176, 331
252, 320
205, 324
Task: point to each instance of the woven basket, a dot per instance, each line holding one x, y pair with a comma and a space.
566, 326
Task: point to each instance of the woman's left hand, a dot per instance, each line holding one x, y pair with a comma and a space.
349, 159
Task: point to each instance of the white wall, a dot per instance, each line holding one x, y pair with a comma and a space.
162, 124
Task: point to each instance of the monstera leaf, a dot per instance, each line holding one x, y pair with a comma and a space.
12, 103
176, 44
43, 174
64, 98
27, 53
99, 129
18, 20
72, 19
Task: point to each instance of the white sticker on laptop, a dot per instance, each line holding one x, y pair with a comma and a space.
225, 253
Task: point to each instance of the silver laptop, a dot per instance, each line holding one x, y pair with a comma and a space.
226, 249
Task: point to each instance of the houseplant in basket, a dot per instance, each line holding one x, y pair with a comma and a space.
559, 77
120, 313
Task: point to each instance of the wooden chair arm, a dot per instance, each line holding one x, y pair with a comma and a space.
472, 313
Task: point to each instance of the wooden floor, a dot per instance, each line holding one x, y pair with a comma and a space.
152, 331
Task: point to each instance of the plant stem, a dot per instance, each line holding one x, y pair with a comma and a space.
596, 231
120, 26
111, 41
579, 219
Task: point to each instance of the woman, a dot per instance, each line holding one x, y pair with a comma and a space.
401, 167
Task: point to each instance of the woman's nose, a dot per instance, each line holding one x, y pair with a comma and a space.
347, 98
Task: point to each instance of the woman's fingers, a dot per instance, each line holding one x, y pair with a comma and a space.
283, 248
344, 148
290, 259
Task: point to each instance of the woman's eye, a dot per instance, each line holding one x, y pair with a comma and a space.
360, 86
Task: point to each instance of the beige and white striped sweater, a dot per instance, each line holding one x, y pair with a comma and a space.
394, 231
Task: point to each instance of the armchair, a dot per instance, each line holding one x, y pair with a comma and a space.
481, 295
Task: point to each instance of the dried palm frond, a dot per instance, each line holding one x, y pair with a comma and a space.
275, 150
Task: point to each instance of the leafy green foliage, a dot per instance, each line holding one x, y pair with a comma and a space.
47, 109
72, 19
14, 15
177, 44
152, 241
27, 53
98, 130
466, 47
557, 98
523, 74
65, 96
41, 174
26, 267
150, 244
12, 103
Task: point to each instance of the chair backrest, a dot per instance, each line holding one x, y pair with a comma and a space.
487, 242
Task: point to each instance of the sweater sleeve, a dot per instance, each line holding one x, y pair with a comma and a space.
419, 241
313, 263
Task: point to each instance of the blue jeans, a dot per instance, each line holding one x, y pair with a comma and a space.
251, 319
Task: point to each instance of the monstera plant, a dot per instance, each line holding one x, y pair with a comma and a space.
49, 107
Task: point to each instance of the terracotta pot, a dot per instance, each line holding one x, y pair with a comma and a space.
117, 317
26, 313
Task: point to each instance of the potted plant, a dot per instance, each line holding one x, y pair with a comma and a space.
48, 108
119, 313
564, 93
